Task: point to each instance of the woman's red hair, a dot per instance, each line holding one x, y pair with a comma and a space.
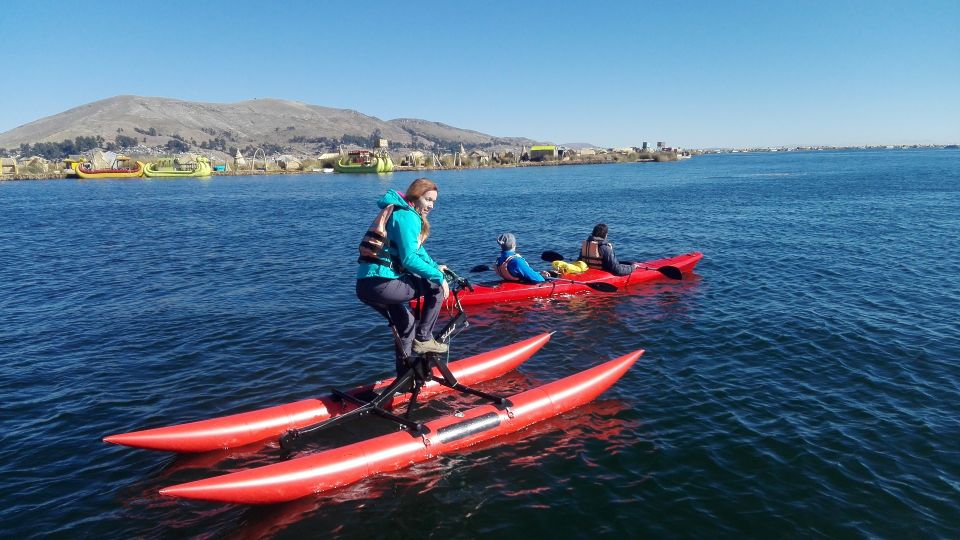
416, 190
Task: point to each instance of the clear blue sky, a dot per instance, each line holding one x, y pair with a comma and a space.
693, 74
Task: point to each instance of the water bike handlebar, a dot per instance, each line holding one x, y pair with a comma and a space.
456, 282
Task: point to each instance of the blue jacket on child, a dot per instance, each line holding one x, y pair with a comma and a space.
511, 266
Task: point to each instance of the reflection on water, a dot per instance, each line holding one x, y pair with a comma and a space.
607, 422
661, 299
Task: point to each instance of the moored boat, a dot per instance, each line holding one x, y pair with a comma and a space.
300, 477
71, 165
249, 427
364, 161
174, 168
119, 169
508, 291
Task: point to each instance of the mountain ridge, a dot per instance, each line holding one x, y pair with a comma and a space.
279, 124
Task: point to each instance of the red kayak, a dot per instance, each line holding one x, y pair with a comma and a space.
329, 469
507, 291
249, 427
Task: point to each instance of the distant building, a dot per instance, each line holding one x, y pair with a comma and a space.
8, 166
480, 158
328, 159
289, 163
415, 158
540, 153
549, 152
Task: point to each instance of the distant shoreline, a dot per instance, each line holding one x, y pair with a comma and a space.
397, 168
60, 174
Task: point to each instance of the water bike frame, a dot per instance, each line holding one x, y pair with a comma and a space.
418, 371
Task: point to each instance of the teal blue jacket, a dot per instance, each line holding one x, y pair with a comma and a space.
403, 230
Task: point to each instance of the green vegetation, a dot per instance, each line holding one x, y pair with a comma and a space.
52, 150
218, 143
177, 145
125, 142
268, 148
358, 140
328, 144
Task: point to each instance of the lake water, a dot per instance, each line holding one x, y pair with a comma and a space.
803, 383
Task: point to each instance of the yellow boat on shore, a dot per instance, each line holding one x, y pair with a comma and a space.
119, 169
173, 168
365, 161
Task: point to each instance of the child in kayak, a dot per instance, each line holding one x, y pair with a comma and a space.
598, 253
395, 268
511, 266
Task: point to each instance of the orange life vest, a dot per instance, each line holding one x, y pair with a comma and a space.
590, 254
504, 272
373, 244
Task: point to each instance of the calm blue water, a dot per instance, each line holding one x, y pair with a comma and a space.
805, 383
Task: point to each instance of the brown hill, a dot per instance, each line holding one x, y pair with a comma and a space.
279, 125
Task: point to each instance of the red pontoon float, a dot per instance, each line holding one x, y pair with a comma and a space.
314, 473
249, 427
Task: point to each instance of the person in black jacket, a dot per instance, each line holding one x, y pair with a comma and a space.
598, 253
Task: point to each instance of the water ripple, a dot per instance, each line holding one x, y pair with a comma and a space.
802, 383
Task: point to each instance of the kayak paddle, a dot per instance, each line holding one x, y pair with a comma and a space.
601, 287
551, 256
671, 272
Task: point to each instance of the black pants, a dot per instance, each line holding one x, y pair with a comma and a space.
391, 298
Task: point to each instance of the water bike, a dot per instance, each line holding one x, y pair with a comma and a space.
296, 424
